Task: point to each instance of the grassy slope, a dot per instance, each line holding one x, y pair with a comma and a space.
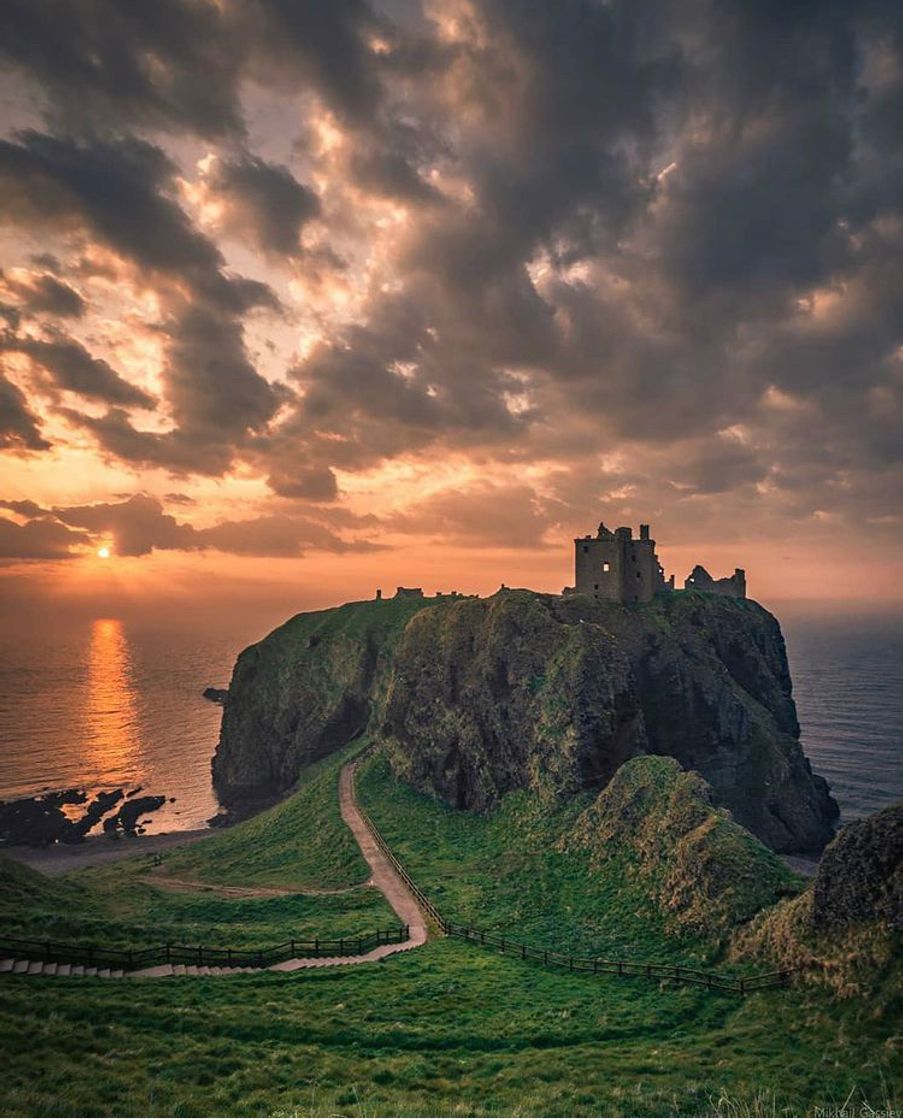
301, 842
442, 1031
539, 871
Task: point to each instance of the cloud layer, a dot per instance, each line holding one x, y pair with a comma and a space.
640, 256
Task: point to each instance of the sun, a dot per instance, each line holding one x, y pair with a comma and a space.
104, 553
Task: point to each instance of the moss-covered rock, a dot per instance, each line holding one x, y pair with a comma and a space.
302, 692
475, 698
845, 929
703, 870
528, 691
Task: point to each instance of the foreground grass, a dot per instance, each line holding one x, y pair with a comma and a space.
301, 843
446, 1030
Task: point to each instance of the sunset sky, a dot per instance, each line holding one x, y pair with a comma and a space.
303, 298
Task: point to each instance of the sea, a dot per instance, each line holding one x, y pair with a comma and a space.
106, 703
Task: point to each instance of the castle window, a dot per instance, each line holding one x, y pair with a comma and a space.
638, 576
606, 567
585, 549
596, 586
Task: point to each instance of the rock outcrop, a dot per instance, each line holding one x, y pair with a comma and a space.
478, 697
538, 691
860, 876
301, 693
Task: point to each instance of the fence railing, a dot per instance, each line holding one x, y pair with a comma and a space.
511, 946
105, 956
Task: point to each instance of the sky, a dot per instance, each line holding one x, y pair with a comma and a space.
300, 299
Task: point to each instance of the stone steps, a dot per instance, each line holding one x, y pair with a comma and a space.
13, 966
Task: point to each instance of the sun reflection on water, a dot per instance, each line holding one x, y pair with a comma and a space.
111, 710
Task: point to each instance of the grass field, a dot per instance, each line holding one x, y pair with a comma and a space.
447, 1029
302, 843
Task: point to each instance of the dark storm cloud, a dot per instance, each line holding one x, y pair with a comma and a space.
45, 293
631, 221
264, 202
71, 367
40, 539
19, 428
119, 192
25, 508
169, 63
139, 525
321, 45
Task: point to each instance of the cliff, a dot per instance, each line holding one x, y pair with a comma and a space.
475, 698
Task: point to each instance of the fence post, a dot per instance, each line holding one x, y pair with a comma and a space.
168, 953
523, 952
316, 946
200, 956
595, 966
570, 964
742, 986
341, 946
229, 957
360, 946
545, 956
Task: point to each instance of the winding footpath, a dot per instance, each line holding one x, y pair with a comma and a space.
383, 876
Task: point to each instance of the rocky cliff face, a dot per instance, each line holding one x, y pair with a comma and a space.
478, 697
526, 690
304, 691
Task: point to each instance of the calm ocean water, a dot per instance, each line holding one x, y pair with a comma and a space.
102, 703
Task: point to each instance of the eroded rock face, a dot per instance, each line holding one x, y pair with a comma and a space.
860, 876
478, 697
537, 691
304, 691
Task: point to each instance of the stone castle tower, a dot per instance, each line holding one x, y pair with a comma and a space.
618, 566
625, 569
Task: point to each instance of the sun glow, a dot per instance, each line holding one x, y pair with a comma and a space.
104, 553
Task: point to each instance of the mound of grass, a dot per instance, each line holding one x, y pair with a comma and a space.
655, 824
302, 841
647, 871
445, 1030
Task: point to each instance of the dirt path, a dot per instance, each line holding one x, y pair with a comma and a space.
171, 883
383, 877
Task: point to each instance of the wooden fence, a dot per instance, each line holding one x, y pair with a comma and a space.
105, 956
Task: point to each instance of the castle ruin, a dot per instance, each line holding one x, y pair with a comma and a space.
619, 567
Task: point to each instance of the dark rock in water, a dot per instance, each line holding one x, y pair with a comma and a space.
216, 695
478, 697
860, 876
101, 804
126, 820
41, 821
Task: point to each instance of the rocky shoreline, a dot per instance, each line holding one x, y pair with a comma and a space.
52, 818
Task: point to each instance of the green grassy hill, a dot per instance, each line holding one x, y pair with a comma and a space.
649, 870
301, 843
